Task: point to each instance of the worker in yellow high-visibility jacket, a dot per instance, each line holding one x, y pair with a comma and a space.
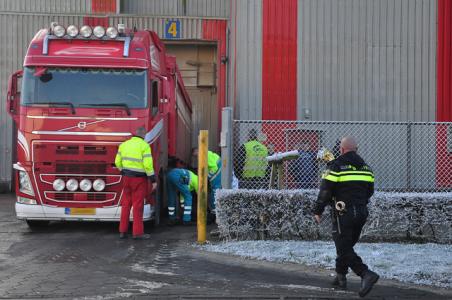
214, 176
134, 160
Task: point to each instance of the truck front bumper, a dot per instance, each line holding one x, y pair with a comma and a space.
43, 212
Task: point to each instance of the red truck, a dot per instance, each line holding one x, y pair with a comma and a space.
82, 92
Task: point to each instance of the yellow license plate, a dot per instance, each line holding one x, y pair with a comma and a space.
79, 211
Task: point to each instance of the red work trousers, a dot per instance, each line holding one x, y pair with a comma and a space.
133, 196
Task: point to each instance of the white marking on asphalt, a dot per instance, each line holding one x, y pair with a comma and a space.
150, 270
314, 288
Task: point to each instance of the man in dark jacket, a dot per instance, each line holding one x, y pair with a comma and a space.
347, 184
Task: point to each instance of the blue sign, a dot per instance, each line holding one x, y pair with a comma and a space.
172, 29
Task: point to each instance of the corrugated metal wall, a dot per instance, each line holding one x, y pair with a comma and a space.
46, 6
191, 28
21, 30
193, 8
367, 60
246, 59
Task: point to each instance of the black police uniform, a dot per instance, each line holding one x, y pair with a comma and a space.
350, 180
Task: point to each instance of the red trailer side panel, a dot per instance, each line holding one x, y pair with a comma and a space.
216, 30
279, 70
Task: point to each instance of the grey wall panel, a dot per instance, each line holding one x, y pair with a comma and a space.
208, 8
46, 6
367, 60
246, 57
192, 8
22, 28
191, 28
151, 8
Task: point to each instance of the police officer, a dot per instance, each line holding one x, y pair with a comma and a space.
134, 160
250, 165
214, 176
347, 185
183, 181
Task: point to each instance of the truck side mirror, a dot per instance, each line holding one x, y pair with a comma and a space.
13, 95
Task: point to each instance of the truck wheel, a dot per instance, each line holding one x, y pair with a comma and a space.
37, 224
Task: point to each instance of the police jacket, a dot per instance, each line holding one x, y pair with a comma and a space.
347, 178
134, 158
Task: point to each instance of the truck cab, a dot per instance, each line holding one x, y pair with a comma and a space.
81, 93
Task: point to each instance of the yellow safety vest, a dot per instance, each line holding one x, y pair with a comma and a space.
212, 162
193, 185
255, 160
135, 155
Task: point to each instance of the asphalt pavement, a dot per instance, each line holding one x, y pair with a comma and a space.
72, 260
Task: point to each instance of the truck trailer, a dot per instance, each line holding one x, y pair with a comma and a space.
81, 92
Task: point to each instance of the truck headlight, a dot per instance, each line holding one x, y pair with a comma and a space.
98, 185
72, 185
25, 184
85, 185
58, 185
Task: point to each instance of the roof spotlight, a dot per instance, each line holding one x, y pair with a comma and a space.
112, 32
72, 31
99, 31
59, 31
86, 31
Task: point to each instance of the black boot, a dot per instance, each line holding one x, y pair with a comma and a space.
340, 281
368, 279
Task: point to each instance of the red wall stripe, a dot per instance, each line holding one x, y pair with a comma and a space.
103, 6
215, 30
444, 93
444, 62
279, 70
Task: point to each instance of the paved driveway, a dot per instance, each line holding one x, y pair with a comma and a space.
88, 261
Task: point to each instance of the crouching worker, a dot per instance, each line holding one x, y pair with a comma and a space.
134, 160
185, 182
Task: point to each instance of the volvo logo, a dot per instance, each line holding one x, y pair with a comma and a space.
81, 125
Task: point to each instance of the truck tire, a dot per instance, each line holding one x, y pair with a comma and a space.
35, 224
161, 184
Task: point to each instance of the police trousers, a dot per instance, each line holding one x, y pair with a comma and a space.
346, 232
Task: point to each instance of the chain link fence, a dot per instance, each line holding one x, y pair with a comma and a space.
405, 157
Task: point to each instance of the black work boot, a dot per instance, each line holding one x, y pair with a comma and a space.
368, 279
340, 281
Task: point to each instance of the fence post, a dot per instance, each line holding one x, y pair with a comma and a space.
203, 144
226, 147
408, 156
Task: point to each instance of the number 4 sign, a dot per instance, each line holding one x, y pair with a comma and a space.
172, 29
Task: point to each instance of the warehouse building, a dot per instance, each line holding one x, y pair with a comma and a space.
316, 60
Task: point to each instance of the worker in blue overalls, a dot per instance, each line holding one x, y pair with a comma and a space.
214, 176
185, 182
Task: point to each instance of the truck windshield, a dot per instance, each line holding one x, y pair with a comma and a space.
82, 86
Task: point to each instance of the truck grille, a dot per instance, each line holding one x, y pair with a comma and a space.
68, 168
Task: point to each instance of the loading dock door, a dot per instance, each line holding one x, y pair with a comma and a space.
198, 69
